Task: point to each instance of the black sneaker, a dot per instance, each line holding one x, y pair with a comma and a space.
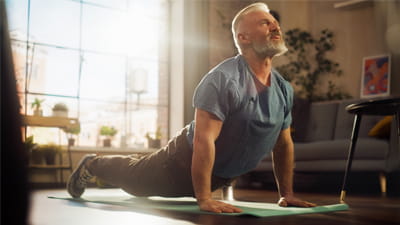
77, 181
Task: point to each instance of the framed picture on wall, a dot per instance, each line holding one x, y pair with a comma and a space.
375, 76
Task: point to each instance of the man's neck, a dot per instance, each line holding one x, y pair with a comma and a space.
260, 66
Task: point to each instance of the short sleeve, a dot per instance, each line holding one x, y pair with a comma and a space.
214, 94
289, 104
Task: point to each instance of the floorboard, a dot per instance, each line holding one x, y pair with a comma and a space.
366, 209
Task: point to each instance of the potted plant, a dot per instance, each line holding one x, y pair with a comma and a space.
308, 65
154, 141
37, 107
108, 132
60, 110
71, 131
34, 153
50, 151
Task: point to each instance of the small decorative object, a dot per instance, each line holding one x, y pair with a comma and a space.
155, 141
37, 107
50, 151
71, 131
375, 77
60, 110
108, 132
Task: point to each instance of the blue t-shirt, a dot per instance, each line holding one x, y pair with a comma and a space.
253, 114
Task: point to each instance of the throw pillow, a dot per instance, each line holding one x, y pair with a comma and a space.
382, 128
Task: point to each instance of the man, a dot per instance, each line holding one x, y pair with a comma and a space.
242, 113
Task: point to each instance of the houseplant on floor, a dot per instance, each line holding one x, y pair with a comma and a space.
35, 155
308, 64
108, 132
50, 151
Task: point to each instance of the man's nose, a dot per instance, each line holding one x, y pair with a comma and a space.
275, 27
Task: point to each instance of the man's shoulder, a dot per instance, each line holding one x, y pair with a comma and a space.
229, 67
279, 78
284, 85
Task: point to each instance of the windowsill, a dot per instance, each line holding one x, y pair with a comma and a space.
112, 149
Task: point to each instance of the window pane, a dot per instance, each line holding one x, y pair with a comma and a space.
94, 115
143, 79
17, 18
55, 22
115, 4
18, 49
150, 8
103, 29
103, 77
46, 135
53, 71
116, 75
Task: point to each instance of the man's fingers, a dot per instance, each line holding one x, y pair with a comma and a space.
227, 208
283, 202
310, 204
219, 207
305, 204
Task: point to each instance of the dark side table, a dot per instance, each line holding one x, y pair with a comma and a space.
382, 107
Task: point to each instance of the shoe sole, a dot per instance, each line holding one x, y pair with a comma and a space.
75, 174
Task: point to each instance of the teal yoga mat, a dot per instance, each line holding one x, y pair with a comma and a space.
189, 205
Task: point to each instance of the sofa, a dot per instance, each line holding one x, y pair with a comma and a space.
321, 133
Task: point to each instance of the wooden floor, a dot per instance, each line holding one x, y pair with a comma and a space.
366, 209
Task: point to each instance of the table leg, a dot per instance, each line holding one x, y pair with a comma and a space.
354, 136
398, 122
227, 193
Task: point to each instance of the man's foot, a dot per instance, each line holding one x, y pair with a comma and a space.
77, 181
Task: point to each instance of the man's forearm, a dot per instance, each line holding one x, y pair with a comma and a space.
202, 164
283, 163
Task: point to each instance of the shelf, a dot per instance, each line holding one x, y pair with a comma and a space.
52, 121
41, 121
58, 167
348, 4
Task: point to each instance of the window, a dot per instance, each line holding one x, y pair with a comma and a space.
105, 59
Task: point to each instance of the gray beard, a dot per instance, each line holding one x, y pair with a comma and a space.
270, 49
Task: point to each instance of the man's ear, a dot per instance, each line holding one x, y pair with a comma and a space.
243, 38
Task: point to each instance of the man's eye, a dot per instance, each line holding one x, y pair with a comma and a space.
266, 22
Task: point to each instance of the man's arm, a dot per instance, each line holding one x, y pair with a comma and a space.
283, 164
207, 129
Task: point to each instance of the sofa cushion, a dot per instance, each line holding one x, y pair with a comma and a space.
366, 148
345, 121
300, 117
321, 122
337, 165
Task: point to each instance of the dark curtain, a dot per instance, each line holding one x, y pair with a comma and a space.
14, 184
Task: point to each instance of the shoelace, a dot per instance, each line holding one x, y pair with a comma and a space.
84, 177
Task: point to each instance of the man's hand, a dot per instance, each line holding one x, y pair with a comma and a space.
293, 201
211, 205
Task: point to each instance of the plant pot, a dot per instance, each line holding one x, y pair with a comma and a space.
38, 112
50, 156
71, 141
107, 142
36, 157
57, 113
50, 159
154, 143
